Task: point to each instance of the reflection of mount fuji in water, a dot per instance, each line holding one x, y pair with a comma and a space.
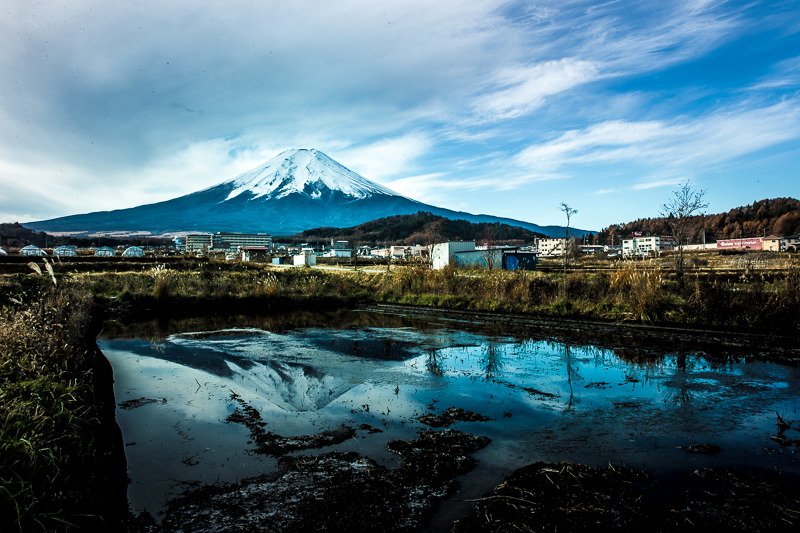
290, 386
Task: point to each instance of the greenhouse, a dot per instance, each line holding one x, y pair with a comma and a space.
3, 252
32, 250
105, 251
65, 251
133, 251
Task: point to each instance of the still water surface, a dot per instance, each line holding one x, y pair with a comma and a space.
548, 400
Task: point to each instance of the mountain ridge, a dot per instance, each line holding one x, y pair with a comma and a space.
294, 191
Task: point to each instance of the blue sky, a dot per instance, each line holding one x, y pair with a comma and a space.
505, 108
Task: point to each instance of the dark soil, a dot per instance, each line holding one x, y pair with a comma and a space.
451, 416
139, 402
570, 497
706, 449
269, 443
336, 491
565, 496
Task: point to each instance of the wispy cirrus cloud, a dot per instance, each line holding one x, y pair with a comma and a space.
521, 90
721, 136
785, 75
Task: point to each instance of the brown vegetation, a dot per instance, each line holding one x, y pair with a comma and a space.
776, 216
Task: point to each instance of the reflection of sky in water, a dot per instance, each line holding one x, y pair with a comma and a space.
548, 401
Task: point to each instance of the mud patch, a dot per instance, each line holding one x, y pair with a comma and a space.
336, 491
451, 416
270, 443
705, 449
731, 500
559, 497
139, 402
572, 497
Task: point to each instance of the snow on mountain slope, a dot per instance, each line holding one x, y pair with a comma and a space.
307, 172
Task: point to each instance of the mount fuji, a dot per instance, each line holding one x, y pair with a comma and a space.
292, 192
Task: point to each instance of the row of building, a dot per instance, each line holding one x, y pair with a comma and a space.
250, 244
72, 251
640, 244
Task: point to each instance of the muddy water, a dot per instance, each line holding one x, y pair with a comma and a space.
547, 400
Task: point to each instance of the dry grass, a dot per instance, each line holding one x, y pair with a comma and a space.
44, 410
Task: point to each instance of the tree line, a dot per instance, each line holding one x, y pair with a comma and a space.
421, 228
775, 216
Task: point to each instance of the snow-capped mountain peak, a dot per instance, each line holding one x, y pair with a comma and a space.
307, 172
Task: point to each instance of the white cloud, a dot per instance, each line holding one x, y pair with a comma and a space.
785, 74
385, 158
721, 136
659, 183
523, 89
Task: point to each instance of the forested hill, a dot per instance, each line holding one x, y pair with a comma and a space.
419, 228
777, 216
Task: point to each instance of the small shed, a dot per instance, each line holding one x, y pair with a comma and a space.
105, 251
471, 259
133, 251
258, 254
305, 260
519, 261
32, 251
65, 251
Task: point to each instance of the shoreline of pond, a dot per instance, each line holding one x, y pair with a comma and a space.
204, 501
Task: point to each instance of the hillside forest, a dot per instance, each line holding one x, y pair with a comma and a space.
420, 228
777, 216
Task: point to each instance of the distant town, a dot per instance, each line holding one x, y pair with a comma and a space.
260, 248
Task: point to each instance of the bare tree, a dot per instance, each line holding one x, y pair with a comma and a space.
677, 213
492, 255
569, 212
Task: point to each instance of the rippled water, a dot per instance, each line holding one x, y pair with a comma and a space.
548, 400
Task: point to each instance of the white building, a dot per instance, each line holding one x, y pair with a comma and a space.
443, 253
403, 251
305, 260
339, 249
198, 243
552, 246
222, 241
592, 248
646, 245
338, 253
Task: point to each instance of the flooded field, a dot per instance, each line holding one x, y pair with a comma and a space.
202, 402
